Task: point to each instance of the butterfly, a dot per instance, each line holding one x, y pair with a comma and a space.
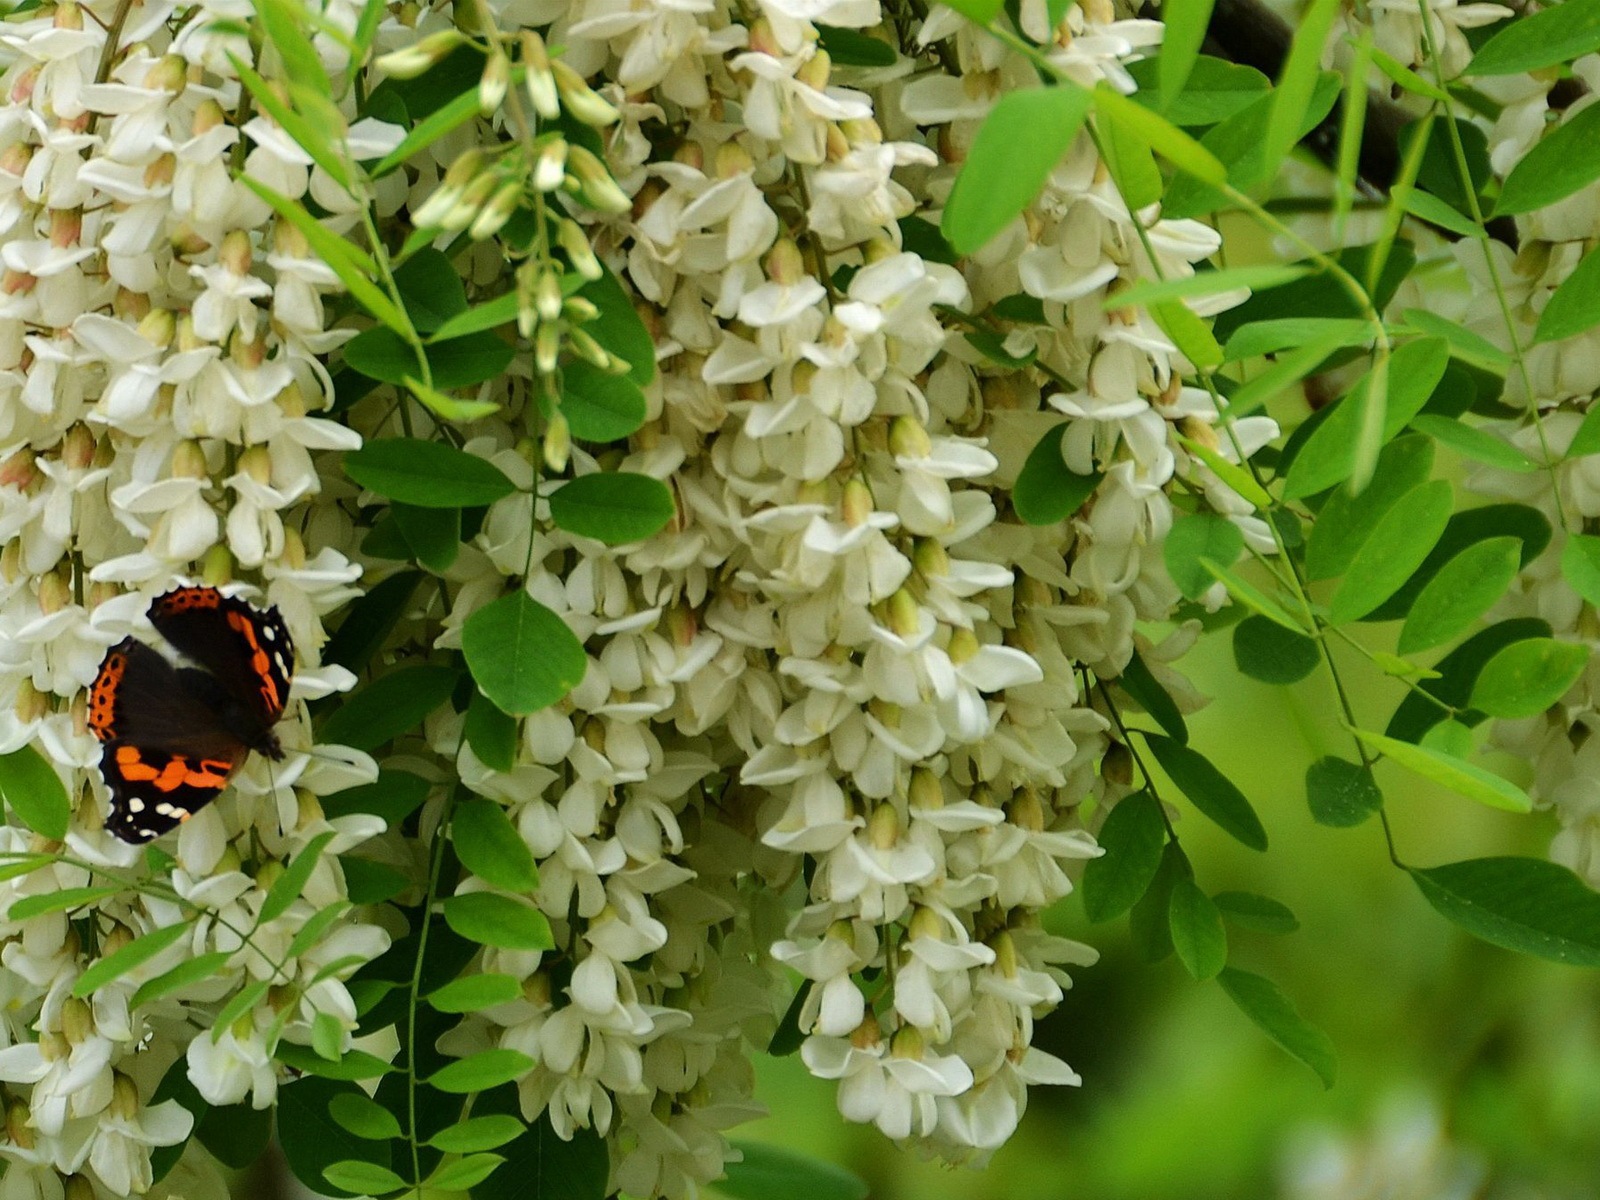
173, 734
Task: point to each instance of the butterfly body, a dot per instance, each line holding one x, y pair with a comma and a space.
174, 734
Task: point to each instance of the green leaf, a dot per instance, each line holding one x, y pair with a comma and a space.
1186, 22
370, 882
1197, 933
614, 507
1289, 369
242, 1002
429, 130
1195, 540
599, 406
1559, 164
1047, 490
434, 534
1557, 34
774, 1173
1019, 143
1132, 837
1474, 443
1296, 83
1131, 166
1399, 543
1347, 518
1265, 650
1211, 283
1458, 671
309, 135
1464, 343
489, 846
491, 314
1525, 904
457, 362
1528, 677
1341, 793
183, 975
1250, 911
1231, 473
1160, 134
1216, 89
61, 900
1191, 335
35, 793
521, 655
1461, 777
284, 20
394, 796
491, 919
1148, 924
1209, 790
491, 733
1580, 564
478, 1133
473, 993
364, 1178
1328, 456
1253, 598
849, 48
364, 1117
1264, 1003
350, 1066
326, 1034
311, 1139
388, 707
482, 1071
1468, 527
370, 621
426, 474
619, 328
979, 12
1146, 691
464, 1173
136, 953
577, 1169
1575, 306
1465, 588
1587, 440
431, 287
1273, 336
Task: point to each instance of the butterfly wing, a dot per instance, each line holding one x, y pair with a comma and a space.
165, 755
248, 650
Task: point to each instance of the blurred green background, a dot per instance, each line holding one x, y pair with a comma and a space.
1464, 1070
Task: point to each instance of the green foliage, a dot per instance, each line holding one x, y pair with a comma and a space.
1459, 776
1209, 790
614, 507
522, 656
1193, 542
1465, 588
1264, 1003
1265, 650
33, 790
491, 919
1146, 691
770, 1173
598, 406
1575, 306
1047, 490
1262, 914
1132, 838
1214, 90
1556, 34
1525, 904
1397, 547
135, 954
426, 474
1197, 933
389, 707
1527, 677
1341, 793
490, 847
1021, 140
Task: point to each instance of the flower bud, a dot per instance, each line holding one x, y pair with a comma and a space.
268, 874
579, 99
310, 806
19, 1130
18, 471
539, 79
856, 505
471, 201
189, 461
908, 1043
904, 614
586, 348
550, 165
14, 159
208, 114
815, 70
908, 439
547, 296
1025, 811
599, 189
497, 212
31, 704
924, 791
411, 61
1200, 432
867, 1035
579, 252
77, 1021
158, 327
66, 227
77, 1187
557, 442
785, 263
235, 252
1116, 767
883, 827
55, 593
546, 349
1005, 954
293, 555
492, 84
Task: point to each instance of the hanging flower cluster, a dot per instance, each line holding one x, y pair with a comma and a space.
840, 719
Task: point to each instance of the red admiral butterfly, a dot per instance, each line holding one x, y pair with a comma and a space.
174, 734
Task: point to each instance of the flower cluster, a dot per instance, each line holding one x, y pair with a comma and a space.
158, 422
845, 720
